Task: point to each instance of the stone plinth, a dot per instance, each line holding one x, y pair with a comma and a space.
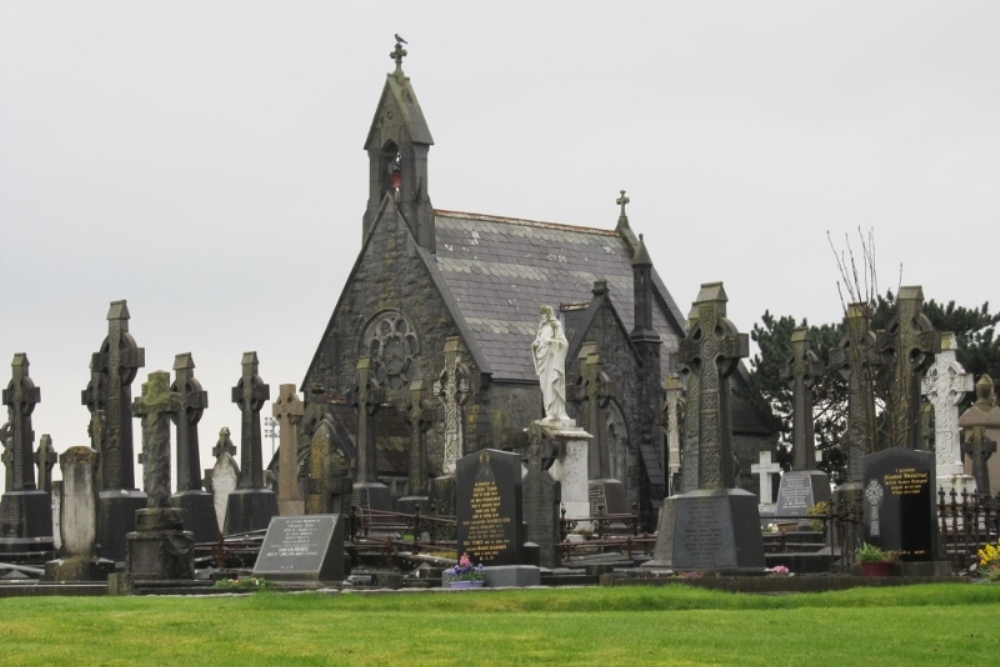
28, 520
571, 467
116, 510
200, 519
159, 548
250, 509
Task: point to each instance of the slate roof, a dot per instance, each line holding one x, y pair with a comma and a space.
501, 270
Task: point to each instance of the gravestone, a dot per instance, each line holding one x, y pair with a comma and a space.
717, 526
331, 487
420, 418
900, 503
606, 495
803, 486
909, 344
671, 420
765, 469
946, 385
251, 505
25, 511
981, 427
542, 496
196, 503
303, 548
690, 433
78, 520
287, 410
225, 475
115, 367
489, 509
45, 459
453, 388
159, 548
369, 493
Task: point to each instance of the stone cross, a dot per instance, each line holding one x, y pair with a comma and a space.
193, 401
712, 351
8, 451
45, 459
765, 469
453, 389
801, 372
398, 54
20, 397
597, 389
288, 409
118, 362
157, 407
420, 419
368, 397
910, 344
856, 359
980, 448
692, 408
249, 395
622, 201
671, 420
946, 385
224, 445
94, 397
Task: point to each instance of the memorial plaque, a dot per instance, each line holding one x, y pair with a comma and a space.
303, 548
899, 502
598, 499
800, 490
488, 499
704, 534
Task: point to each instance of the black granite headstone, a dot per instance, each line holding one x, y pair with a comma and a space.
899, 502
488, 504
303, 548
800, 490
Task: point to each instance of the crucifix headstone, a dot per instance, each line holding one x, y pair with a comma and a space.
288, 409
197, 504
252, 505
45, 459
857, 360
225, 474
766, 470
909, 344
946, 385
420, 418
715, 527
369, 492
981, 425
452, 388
156, 407
25, 511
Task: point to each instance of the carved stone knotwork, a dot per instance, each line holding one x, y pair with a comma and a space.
453, 387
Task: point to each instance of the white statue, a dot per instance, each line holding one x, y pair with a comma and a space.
549, 354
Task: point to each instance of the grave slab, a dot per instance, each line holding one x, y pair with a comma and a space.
303, 548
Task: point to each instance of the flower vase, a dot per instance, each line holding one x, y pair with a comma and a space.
877, 569
466, 584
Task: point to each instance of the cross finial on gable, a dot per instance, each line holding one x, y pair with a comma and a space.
398, 54
621, 201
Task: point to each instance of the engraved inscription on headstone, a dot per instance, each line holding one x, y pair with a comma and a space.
900, 509
488, 499
303, 548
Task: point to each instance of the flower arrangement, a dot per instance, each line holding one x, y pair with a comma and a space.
251, 583
819, 509
780, 571
989, 561
869, 553
466, 571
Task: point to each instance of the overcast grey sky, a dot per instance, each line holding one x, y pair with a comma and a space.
204, 161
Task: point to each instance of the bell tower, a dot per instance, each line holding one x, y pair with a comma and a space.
397, 146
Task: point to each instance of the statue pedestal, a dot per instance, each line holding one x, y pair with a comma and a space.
716, 530
159, 548
570, 468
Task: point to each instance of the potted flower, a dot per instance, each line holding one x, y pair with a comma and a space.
465, 574
875, 561
989, 562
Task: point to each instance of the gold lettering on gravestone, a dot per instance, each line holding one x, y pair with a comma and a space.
907, 481
487, 535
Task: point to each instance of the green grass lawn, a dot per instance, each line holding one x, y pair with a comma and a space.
940, 624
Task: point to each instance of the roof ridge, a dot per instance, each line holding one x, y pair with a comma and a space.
521, 221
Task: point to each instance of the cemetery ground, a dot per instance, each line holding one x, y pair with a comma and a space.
930, 624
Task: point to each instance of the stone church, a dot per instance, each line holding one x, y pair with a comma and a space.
427, 355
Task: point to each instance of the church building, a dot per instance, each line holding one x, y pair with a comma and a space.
427, 355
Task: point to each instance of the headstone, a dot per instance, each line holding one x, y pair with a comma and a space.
857, 360
251, 505
159, 548
804, 486
196, 503
115, 366
909, 344
56, 493
981, 425
225, 475
716, 527
489, 510
45, 459
946, 385
766, 470
671, 421
690, 433
287, 410
453, 389
420, 419
25, 511
900, 503
606, 495
330, 484
369, 492
541, 498
303, 548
